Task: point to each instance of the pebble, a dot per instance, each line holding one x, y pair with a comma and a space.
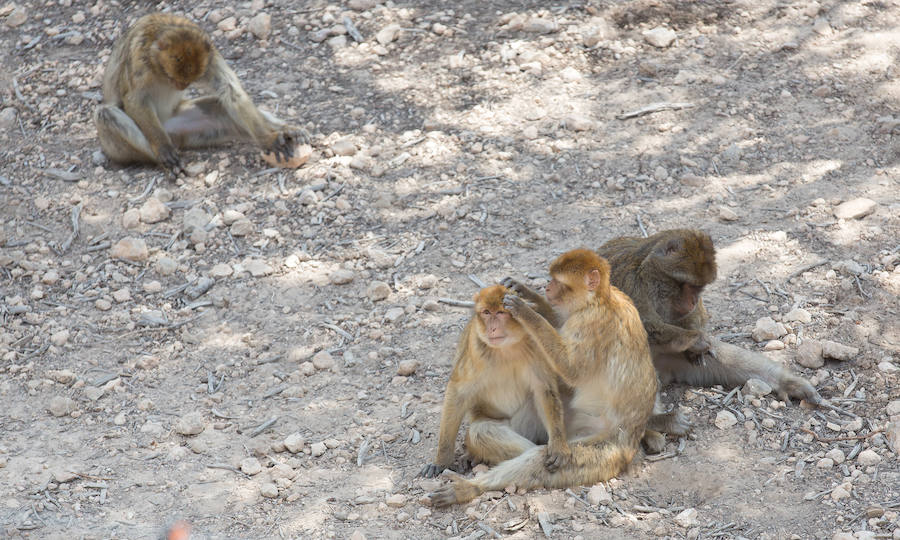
892, 434
63, 376
131, 249
61, 405
774, 345
836, 455
361, 5
570, 74
397, 500
893, 408
868, 458
539, 25
357, 535
727, 214
221, 270
307, 197
260, 25
242, 227
766, 329
317, 449
887, 367
388, 34
687, 517
393, 315
8, 118
660, 37
154, 211
59, 338
131, 219
725, 419
251, 466
190, 424
257, 267
230, 216
268, 490
809, 354
693, 180
849, 267
598, 494
578, 122
294, 443
323, 360
152, 286
17, 16
407, 367
378, 290
841, 492
855, 209
343, 147
103, 304
194, 219
122, 295
341, 276
307, 368
166, 266
94, 393
798, 315
825, 463
756, 387
837, 351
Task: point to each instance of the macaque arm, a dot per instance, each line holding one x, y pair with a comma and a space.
140, 107
451, 419
546, 337
551, 409
541, 305
668, 338
237, 103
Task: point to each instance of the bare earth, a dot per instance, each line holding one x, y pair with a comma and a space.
481, 138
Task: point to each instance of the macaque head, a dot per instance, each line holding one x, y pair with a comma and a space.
577, 276
183, 55
688, 259
495, 326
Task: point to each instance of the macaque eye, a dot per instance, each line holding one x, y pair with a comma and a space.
486, 312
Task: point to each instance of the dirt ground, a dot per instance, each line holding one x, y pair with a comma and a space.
272, 365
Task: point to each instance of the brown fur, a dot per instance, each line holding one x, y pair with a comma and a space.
506, 387
653, 272
601, 353
144, 116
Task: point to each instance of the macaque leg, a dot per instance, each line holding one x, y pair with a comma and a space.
662, 423
203, 122
120, 137
493, 441
733, 366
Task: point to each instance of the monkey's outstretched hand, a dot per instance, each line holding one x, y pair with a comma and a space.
171, 162
286, 140
431, 470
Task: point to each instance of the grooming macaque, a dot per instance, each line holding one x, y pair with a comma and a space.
664, 276
144, 116
504, 382
601, 354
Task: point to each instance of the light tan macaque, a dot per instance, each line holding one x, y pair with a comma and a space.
664, 275
144, 116
504, 383
601, 354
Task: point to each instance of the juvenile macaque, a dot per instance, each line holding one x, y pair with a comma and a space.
503, 381
601, 353
664, 276
144, 116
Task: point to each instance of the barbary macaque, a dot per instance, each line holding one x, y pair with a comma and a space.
144, 116
601, 354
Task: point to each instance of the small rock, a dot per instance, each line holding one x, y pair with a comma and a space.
221, 270
774, 345
357, 535
362, 5
570, 74
323, 360
307, 368
94, 393
257, 267
836, 455
394, 314
166, 266
798, 315
61, 475
230, 216
660, 37
887, 367
8, 118
59, 338
378, 290
821, 26
152, 286
837, 351
766, 329
242, 227
687, 518
154, 211
194, 219
407, 367
577, 122
840, 492
397, 500
17, 16
388, 34
317, 449
307, 197
294, 443
268, 490
342, 276
756, 387
260, 25
251, 466
131, 219
893, 408
868, 458
892, 434
343, 147
63, 376
727, 214
825, 463
190, 424
103, 304
598, 494
725, 419
122, 295
849, 267
131, 249
809, 354
61, 406
538, 25
855, 209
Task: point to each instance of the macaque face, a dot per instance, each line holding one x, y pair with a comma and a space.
555, 291
497, 326
687, 301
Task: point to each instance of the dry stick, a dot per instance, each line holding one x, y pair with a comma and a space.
224, 466
641, 225
146, 191
456, 303
836, 439
804, 269
337, 329
825, 405
76, 213
654, 108
352, 30
363, 450
859, 286
487, 528
266, 425
475, 279
546, 526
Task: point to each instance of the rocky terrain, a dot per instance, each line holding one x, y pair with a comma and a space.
262, 352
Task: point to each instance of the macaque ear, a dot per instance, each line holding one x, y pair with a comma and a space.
592, 279
669, 248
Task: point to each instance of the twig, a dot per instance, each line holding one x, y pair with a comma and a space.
146, 191
456, 303
546, 526
477, 281
825, 405
859, 286
836, 439
224, 466
343, 333
487, 528
76, 213
351, 29
275, 391
654, 108
641, 225
265, 425
806, 268
361, 455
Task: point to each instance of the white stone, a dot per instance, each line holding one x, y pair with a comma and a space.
323, 360
855, 209
407, 367
378, 290
598, 494
687, 518
660, 37
836, 455
131, 249
153, 211
260, 25
798, 315
868, 458
190, 424
342, 276
317, 449
388, 34
397, 500
251, 466
837, 351
59, 338
294, 443
766, 329
268, 490
725, 419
